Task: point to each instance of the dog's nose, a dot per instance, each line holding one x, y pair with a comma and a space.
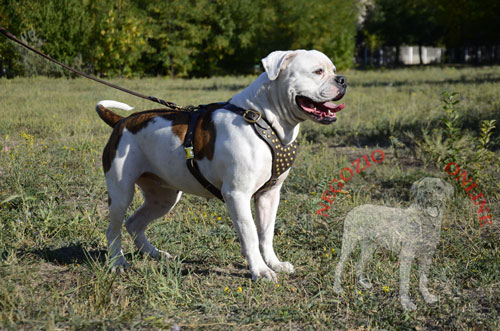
341, 81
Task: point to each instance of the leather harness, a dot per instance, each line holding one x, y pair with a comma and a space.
283, 155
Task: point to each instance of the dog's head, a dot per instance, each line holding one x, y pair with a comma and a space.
431, 195
309, 83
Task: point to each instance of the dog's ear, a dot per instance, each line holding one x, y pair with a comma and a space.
414, 188
277, 61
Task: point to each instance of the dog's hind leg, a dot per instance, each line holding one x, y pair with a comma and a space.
158, 200
367, 248
120, 195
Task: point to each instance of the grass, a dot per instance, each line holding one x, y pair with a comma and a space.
53, 212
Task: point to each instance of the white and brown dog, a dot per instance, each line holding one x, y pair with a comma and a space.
146, 149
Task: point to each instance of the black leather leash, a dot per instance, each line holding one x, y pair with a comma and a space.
168, 104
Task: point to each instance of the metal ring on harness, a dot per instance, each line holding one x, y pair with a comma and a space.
249, 119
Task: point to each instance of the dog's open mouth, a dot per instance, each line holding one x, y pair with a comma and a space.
323, 112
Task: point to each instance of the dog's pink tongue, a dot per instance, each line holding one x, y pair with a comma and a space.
333, 107
323, 107
307, 105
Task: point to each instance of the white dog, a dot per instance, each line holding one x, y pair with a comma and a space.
412, 232
146, 149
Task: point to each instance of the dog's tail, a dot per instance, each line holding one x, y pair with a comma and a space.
107, 115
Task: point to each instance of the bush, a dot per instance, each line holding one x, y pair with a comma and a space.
453, 144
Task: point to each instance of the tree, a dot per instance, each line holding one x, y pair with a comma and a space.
398, 22
180, 38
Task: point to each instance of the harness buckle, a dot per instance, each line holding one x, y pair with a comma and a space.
249, 113
189, 152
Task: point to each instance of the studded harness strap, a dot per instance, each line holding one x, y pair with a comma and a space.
283, 155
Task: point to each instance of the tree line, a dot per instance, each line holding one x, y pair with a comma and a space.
186, 38
177, 37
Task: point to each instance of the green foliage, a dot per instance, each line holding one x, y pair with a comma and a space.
451, 129
120, 39
30, 63
472, 22
454, 144
178, 38
59, 28
433, 22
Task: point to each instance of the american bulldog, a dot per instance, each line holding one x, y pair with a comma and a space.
146, 149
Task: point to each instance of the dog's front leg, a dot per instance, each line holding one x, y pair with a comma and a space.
266, 206
424, 263
238, 205
406, 257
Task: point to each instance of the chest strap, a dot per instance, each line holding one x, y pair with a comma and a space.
283, 155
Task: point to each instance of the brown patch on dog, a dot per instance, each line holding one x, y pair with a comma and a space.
180, 123
204, 137
110, 149
108, 116
204, 133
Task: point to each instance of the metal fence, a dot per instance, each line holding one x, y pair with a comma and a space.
415, 55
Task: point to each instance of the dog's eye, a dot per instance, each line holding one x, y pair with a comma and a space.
319, 72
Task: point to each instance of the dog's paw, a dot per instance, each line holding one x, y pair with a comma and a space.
119, 269
283, 267
407, 303
365, 283
119, 261
119, 265
429, 298
161, 255
265, 273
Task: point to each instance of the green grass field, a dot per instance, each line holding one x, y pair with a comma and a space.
53, 212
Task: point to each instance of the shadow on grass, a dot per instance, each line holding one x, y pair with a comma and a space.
73, 254
200, 268
77, 254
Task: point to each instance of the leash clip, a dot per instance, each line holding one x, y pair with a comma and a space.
252, 113
189, 152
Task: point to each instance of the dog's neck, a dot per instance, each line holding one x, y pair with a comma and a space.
271, 107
